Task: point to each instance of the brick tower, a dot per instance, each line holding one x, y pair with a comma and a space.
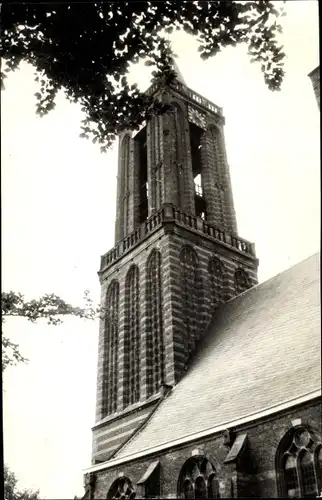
177, 256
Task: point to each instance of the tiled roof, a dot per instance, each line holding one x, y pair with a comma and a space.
262, 349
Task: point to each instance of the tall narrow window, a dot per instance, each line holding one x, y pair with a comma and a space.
318, 467
308, 475
141, 140
290, 477
125, 148
216, 276
213, 486
198, 479
110, 349
241, 281
190, 295
195, 145
297, 464
132, 338
154, 324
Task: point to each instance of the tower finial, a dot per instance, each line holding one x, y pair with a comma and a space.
177, 70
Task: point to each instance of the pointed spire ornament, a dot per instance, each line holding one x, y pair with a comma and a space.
177, 70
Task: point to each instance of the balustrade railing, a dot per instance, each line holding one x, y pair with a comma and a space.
171, 213
192, 94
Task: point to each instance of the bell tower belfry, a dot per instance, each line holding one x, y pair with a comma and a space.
177, 257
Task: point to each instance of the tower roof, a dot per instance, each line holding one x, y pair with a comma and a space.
177, 70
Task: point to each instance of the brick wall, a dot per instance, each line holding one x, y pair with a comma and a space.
169, 240
112, 431
264, 437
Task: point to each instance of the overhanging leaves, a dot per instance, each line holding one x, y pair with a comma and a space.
86, 48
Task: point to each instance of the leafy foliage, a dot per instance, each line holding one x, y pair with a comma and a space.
86, 49
49, 307
10, 488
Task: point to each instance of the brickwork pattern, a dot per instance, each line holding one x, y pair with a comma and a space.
169, 241
216, 181
264, 437
169, 170
165, 304
111, 432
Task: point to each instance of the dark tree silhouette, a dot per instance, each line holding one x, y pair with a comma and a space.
10, 487
86, 48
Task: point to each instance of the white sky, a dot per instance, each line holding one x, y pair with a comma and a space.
58, 201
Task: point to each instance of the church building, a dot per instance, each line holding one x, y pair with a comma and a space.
209, 384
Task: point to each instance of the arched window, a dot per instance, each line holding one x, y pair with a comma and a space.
308, 480
318, 466
125, 158
241, 281
216, 277
198, 479
132, 338
297, 464
154, 324
190, 295
110, 369
121, 489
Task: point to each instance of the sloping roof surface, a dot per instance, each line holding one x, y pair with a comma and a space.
262, 349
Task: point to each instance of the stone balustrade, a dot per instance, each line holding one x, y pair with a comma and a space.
192, 94
169, 213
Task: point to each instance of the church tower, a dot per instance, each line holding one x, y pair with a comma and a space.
177, 256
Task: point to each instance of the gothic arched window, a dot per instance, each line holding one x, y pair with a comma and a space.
318, 466
216, 275
241, 281
198, 479
298, 467
125, 158
110, 369
190, 295
132, 338
121, 489
154, 324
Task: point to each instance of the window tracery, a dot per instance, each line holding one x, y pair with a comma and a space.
121, 489
216, 276
198, 479
132, 338
241, 281
299, 467
190, 292
111, 349
155, 324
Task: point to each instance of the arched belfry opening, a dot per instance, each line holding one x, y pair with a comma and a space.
142, 159
196, 134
